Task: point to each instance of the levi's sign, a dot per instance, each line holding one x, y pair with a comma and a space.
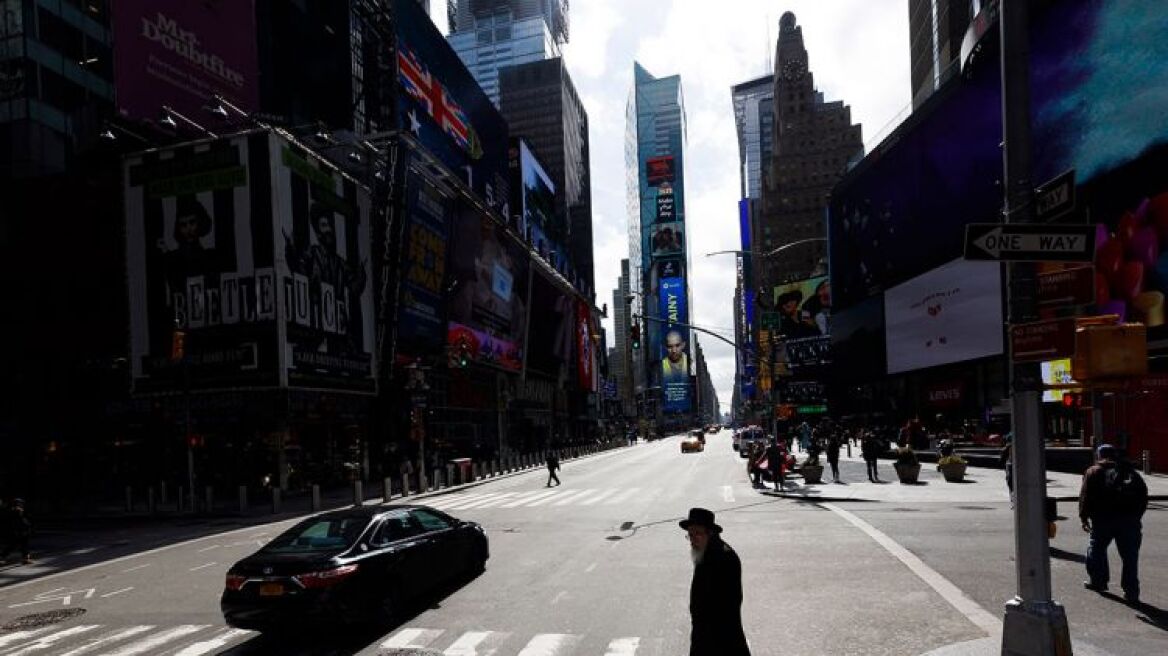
1029, 242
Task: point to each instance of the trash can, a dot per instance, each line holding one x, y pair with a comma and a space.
463, 469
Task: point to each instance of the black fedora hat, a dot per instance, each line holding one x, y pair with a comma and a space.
700, 517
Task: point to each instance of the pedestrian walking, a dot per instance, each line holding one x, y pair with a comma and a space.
755, 462
870, 450
715, 596
553, 463
833, 453
1006, 460
17, 532
776, 457
1112, 501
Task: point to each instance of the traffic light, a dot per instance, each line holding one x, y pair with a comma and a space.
636, 336
463, 354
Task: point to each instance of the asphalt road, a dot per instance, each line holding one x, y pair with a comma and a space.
599, 566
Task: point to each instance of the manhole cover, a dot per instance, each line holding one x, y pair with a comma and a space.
42, 619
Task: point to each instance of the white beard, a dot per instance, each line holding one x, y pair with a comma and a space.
696, 555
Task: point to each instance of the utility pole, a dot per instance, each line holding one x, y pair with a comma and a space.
1034, 624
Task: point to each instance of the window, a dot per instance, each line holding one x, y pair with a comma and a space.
395, 527
429, 521
330, 534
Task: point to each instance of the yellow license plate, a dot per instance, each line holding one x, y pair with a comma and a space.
271, 590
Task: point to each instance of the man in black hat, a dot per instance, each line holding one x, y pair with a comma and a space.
715, 597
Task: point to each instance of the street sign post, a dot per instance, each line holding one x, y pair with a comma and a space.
1056, 197
1075, 286
1013, 242
1053, 339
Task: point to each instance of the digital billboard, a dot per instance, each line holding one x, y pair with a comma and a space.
666, 211
585, 349
533, 192
659, 170
950, 314
668, 239
179, 54
421, 320
442, 107
675, 345
804, 308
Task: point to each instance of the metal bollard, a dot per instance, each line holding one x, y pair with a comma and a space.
474, 471
849, 448
423, 484
449, 475
358, 493
209, 499
1146, 462
162, 493
275, 501
386, 489
405, 485
242, 499
179, 502
315, 498
129, 499
436, 479
150, 507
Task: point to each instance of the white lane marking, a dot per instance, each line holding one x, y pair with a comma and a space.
208, 646
600, 497
727, 494
116, 592
136, 567
623, 647
520, 498
466, 503
203, 566
549, 644
573, 497
482, 503
622, 496
510, 496
467, 644
558, 597
116, 636
949, 592
44, 642
13, 638
214, 546
554, 495
453, 499
530, 498
590, 568
56, 594
417, 638
151, 643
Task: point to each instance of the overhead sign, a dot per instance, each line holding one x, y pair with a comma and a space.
1056, 197
1029, 243
1067, 287
1043, 340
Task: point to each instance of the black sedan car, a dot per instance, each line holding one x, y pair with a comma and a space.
354, 565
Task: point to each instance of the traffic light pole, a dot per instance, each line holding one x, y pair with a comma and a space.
1034, 624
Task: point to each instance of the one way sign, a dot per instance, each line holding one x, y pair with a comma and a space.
1029, 243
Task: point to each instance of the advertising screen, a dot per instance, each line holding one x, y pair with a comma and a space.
585, 348
421, 321
442, 106
325, 273
550, 340
1056, 372
536, 197
666, 211
659, 170
179, 54
804, 308
200, 257
668, 239
950, 314
675, 345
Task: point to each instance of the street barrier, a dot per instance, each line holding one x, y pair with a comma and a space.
436, 479
423, 484
275, 501
405, 485
386, 489
449, 475
358, 493
1146, 462
242, 499
315, 498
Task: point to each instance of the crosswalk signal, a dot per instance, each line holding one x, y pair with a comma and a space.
636, 336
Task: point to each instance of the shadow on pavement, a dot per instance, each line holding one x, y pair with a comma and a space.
1153, 616
1055, 552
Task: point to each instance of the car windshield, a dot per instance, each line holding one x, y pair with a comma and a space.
319, 534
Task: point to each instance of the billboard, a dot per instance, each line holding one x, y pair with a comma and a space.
533, 194
441, 106
421, 320
326, 279
659, 170
1056, 372
666, 211
675, 345
804, 308
179, 53
668, 239
950, 314
200, 258
585, 349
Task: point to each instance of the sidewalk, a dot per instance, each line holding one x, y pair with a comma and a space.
981, 485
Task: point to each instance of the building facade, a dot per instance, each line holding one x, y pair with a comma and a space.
754, 122
622, 359
936, 28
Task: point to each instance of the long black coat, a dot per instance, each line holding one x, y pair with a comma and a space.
715, 603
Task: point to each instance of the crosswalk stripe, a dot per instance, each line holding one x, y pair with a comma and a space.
451, 500
147, 645
467, 644
517, 496
109, 638
573, 497
415, 638
530, 498
483, 503
13, 638
622, 496
549, 644
551, 496
207, 646
468, 503
623, 647
47, 641
600, 497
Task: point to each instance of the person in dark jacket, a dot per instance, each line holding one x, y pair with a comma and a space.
1112, 502
870, 449
776, 458
553, 463
17, 531
715, 597
833, 451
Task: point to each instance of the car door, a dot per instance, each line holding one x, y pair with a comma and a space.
400, 555
447, 550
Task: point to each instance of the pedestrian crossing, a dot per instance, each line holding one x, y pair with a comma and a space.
205, 639
554, 498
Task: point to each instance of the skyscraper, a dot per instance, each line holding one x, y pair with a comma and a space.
936, 28
622, 360
655, 139
753, 119
489, 35
541, 105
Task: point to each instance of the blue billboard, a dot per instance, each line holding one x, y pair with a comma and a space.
674, 352
442, 107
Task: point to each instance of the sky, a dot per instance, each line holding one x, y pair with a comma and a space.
858, 51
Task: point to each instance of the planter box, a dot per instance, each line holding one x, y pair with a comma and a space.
812, 473
954, 472
907, 474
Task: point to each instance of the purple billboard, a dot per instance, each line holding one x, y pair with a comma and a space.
179, 54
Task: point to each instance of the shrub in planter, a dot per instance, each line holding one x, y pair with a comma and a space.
908, 468
812, 470
952, 467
